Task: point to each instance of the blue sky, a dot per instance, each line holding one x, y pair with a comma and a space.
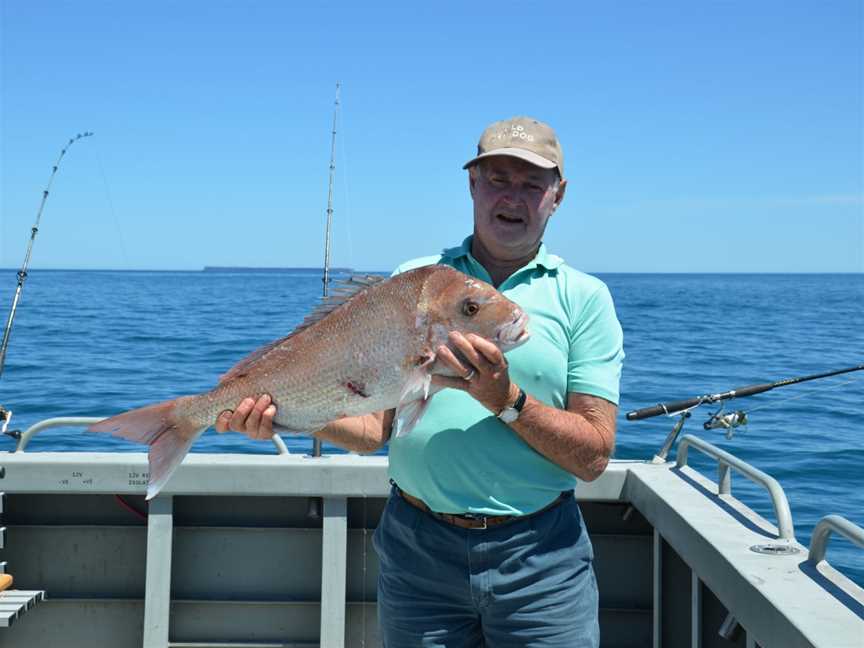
698, 136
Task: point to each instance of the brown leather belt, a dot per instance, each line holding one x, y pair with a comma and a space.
471, 521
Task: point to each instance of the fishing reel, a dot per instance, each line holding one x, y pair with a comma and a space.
720, 421
5, 418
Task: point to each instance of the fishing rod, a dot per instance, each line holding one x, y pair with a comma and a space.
316, 442
727, 421
6, 415
314, 507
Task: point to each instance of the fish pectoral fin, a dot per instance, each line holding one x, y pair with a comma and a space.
414, 399
407, 415
409, 412
417, 386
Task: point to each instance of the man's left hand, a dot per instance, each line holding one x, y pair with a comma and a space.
483, 372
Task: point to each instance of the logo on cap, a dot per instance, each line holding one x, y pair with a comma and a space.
515, 130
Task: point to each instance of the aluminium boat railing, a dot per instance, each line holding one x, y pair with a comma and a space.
75, 421
822, 531
726, 462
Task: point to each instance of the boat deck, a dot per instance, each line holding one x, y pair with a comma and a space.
228, 555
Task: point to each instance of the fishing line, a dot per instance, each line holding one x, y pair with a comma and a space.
111, 208
346, 191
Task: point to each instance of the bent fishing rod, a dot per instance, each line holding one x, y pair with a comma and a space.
727, 421
5, 415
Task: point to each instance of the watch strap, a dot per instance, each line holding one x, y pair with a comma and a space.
520, 400
512, 412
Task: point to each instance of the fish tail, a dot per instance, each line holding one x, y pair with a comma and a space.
168, 433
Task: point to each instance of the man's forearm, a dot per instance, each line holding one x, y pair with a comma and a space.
581, 442
364, 434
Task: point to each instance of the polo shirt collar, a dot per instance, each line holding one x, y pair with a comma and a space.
541, 260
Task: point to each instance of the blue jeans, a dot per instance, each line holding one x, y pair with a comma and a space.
529, 582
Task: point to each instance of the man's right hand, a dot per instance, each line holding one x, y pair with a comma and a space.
252, 418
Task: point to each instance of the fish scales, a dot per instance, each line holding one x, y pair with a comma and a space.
307, 376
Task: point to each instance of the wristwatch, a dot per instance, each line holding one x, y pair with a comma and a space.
510, 414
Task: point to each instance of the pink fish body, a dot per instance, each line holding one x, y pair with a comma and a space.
370, 347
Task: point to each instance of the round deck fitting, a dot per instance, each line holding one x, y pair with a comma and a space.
775, 549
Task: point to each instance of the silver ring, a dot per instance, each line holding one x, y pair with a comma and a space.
469, 376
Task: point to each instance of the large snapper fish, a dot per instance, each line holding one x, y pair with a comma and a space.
369, 347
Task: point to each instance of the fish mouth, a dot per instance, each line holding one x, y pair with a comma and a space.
515, 333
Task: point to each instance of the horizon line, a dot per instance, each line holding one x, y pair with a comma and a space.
343, 269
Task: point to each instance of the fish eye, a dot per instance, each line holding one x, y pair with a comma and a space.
470, 308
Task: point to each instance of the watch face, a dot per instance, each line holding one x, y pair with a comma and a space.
509, 415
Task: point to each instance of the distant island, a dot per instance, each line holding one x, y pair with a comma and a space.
310, 271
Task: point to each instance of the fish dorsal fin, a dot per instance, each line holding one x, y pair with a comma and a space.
343, 291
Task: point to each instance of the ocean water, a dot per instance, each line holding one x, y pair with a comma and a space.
94, 343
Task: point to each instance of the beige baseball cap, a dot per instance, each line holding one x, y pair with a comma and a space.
523, 137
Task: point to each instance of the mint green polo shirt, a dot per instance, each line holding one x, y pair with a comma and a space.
460, 458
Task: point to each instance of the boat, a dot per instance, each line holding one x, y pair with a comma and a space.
228, 555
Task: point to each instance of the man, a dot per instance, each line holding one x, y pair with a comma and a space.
481, 542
